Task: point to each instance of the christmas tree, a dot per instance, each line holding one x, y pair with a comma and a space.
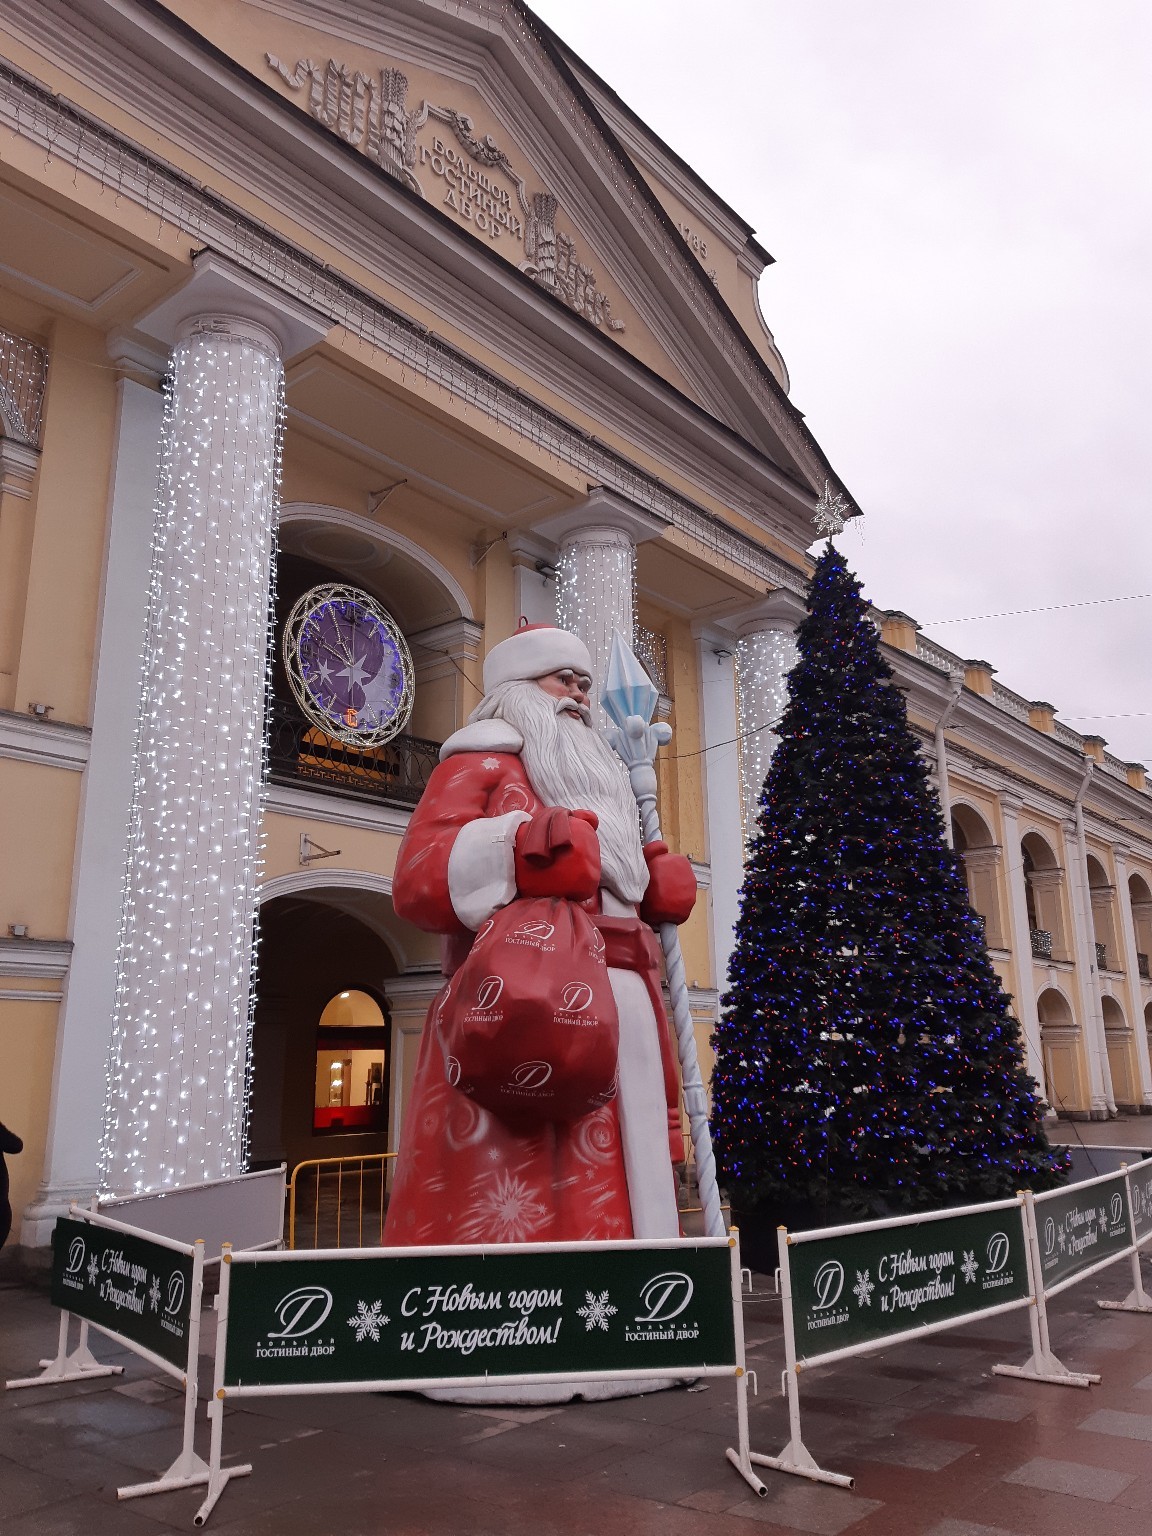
866, 1062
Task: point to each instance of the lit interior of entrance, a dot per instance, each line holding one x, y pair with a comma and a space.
351, 1065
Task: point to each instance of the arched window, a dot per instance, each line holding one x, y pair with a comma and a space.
973, 841
1141, 898
1043, 883
1102, 894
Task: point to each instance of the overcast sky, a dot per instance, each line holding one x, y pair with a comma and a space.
958, 198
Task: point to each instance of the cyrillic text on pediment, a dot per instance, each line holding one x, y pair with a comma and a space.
436, 152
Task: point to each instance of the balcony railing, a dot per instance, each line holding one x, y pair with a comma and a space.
1041, 943
1142, 966
301, 755
1101, 957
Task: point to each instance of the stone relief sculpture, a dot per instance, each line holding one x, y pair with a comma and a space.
371, 114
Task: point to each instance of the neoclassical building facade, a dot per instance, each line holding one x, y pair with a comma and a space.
321, 321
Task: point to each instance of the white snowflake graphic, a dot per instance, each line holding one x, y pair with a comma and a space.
969, 1268
93, 1270
154, 1293
597, 1312
1061, 1239
863, 1289
368, 1321
506, 1212
490, 763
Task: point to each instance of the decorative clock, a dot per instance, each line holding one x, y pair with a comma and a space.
349, 665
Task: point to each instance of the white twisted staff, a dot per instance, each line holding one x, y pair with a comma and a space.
630, 698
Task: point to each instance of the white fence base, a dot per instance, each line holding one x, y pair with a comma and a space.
1137, 1299
187, 1471
1044, 1366
77, 1366
797, 1459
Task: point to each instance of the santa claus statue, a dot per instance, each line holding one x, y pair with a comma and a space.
530, 811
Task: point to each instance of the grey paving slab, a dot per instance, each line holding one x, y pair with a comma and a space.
1071, 1477
1112, 1421
967, 1528
990, 1405
921, 1455
798, 1505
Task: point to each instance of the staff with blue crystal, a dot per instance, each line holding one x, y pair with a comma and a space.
629, 698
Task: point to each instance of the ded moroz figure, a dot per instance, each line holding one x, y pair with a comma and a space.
546, 1103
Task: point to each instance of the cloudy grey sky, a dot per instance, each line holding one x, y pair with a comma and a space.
957, 194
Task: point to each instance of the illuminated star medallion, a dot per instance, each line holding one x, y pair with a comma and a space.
831, 512
349, 665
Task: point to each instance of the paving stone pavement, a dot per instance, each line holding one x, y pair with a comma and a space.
937, 1444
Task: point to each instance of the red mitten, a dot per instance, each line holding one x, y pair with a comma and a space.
671, 892
558, 854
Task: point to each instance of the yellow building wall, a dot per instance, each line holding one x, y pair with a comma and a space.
27, 1051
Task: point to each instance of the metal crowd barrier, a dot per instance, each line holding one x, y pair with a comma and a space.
347, 1193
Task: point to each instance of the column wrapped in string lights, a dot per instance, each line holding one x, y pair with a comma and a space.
765, 654
596, 592
176, 1109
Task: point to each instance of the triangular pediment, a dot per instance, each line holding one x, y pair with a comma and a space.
474, 110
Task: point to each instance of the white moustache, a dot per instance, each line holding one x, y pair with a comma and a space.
572, 706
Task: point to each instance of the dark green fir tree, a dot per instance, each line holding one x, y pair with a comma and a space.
866, 1061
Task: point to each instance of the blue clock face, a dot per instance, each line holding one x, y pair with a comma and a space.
348, 665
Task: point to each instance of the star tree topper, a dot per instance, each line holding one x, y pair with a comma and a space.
831, 512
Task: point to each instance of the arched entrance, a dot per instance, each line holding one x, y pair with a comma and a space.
1121, 1057
1060, 1042
973, 841
320, 948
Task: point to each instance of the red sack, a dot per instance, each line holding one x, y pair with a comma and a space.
528, 1023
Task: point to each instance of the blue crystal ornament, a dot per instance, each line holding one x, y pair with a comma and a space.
628, 690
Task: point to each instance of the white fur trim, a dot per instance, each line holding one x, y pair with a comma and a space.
482, 867
643, 1111
483, 736
531, 653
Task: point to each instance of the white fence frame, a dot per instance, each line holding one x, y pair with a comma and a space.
1042, 1365
188, 1470
229, 1224
218, 1476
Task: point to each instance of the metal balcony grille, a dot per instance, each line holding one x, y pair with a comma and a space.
1041, 943
1142, 966
23, 376
301, 755
1101, 957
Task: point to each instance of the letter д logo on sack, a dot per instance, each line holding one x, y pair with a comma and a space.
828, 1282
488, 992
75, 1256
537, 930
531, 1074
452, 1070
576, 996
665, 1297
175, 1294
302, 1311
998, 1247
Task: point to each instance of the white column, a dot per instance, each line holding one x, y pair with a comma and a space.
765, 654
596, 581
721, 778
176, 1106
1021, 931
1135, 1010
1102, 1102
90, 989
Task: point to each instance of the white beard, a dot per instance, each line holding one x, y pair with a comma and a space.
569, 764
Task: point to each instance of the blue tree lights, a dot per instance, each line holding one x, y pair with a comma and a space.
866, 1061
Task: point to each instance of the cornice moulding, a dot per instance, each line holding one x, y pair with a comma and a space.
303, 805
52, 744
35, 960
